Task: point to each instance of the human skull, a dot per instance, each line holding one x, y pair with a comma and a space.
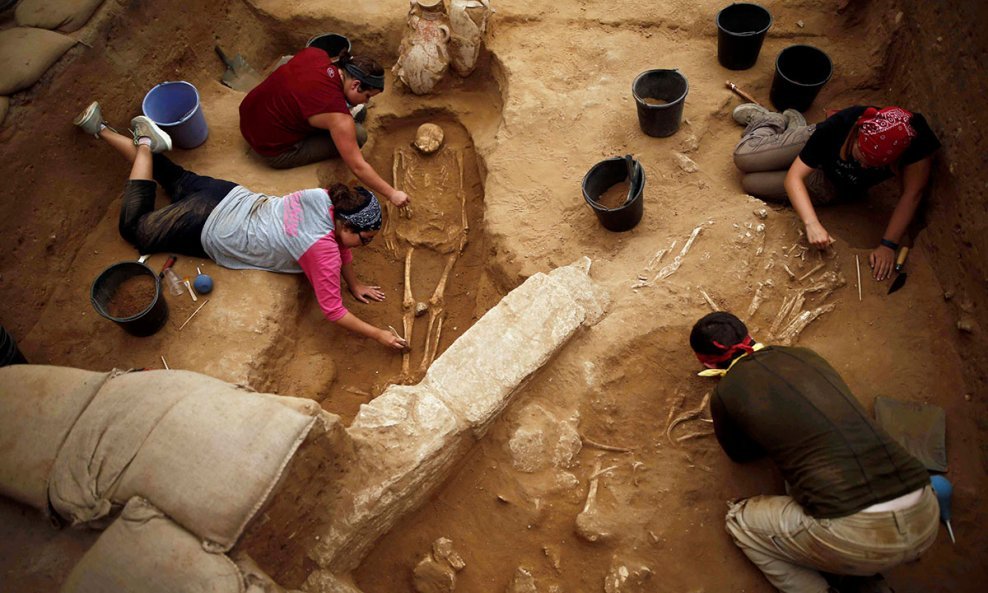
428, 138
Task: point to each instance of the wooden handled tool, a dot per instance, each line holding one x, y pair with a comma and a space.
742, 94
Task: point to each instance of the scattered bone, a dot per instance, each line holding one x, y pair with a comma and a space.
967, 325
603, 471
436, 573
552, 554
420, 308
695, 435
588, 523
791, 333
761, 213
687, 416
657, 258
857, 264
815, 269
770, 265
710, 302
686, 163
756, 301
635, 466
788, 271
428, 138
783, 313
678, 261
523, 582
442, 549
628, 577
356, 391
591, 443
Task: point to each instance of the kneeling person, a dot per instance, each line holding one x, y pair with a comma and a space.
858, 503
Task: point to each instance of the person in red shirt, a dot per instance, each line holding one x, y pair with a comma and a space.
286, 117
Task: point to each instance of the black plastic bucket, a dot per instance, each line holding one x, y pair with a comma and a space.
800, 73
741, 29
145, 323
660, 95
9, 353
331, 43
605, 174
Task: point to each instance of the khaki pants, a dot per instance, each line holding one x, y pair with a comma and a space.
315, 148
764, 154
791, 548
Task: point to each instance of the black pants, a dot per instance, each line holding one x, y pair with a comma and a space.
177, 227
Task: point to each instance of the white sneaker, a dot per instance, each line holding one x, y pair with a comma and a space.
359, 113
143, 127
90, 119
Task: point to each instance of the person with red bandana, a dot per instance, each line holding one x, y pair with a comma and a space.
857, 502
839, 158
300, 114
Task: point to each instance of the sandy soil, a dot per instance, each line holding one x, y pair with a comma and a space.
550, 99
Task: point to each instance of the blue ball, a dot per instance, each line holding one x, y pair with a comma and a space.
203, 284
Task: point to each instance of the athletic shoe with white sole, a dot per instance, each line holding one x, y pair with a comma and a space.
90, 119
143, 127
794, 119
359, 112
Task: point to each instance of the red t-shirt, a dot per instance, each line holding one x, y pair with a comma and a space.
274, 115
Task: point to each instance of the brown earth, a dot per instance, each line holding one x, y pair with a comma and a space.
550, 99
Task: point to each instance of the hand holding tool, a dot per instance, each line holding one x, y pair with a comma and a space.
900, 263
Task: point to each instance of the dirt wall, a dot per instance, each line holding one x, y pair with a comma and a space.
936, 66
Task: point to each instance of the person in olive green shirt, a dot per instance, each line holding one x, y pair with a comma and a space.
857, 502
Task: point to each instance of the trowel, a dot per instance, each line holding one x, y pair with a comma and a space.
900, 263
239, 75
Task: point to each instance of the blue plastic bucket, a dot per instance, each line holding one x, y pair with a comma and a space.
175, 107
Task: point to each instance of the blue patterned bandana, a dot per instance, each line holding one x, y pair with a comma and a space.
367, 218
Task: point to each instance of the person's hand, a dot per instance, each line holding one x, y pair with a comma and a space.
399, 198
391, 340
365, 293
818, 236
882, 260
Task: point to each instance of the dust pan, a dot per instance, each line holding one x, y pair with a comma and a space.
239, 75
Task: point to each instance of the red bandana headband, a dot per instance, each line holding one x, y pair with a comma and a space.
884, 135
747, 345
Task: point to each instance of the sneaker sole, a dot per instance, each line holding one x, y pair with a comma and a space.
86, 114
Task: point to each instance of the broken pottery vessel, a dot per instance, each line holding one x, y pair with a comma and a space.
423, 56
468, 23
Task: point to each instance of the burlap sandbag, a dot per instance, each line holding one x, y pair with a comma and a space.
25, 54
144, 552
64, 15
205, 452
38, 406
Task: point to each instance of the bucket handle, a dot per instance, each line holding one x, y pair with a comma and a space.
634, 173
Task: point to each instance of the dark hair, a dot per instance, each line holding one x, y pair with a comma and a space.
368, 65
721, 327
346, 200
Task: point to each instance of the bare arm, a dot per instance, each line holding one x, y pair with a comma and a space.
344, 132
360, 291
357, 325
914, 178
799, 197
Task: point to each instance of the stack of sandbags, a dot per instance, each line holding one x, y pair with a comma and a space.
193, 459
205, 452
39, 405
64, 15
